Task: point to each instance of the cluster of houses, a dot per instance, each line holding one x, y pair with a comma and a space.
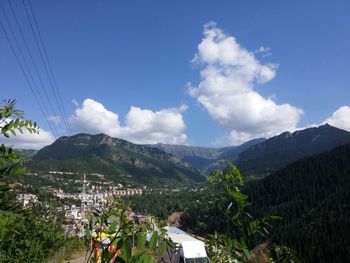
96, 196
27, 199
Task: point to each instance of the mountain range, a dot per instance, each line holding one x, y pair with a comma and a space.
161, 164
116, 158
261, 156
206, 159
287, 147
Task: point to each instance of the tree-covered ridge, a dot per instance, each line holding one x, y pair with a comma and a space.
26, 154
205, 159
278, 151
259, 157
115, 158
312, 195
183, 151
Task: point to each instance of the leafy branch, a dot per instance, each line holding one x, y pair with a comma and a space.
247, 230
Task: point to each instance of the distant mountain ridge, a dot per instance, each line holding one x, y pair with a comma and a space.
198, 157
26, 154
182, 151
287, 147
255, 158
205, 158
117, 158
261, 156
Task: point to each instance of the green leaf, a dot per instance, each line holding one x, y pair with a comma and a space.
246, 252
274, 217
141, 241
153, 241
15, 124
88, 234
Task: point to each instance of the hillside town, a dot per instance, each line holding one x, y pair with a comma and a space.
92, 196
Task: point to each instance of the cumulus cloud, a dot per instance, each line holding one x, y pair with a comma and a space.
340, 118
141, 125
28, 140
229, 74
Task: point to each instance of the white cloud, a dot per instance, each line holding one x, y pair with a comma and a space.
28, 140
262, 49
340, 118
141, 125
229, 75
92, 117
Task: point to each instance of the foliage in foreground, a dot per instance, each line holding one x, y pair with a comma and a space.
243, 242
33, 234
238, 236
111, 235
312, 196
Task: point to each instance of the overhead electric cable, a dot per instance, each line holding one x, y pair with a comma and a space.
33, 63
27, 79
47, 64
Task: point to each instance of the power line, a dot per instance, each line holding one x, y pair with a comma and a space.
34, 87
27, 79
33, 61
50, 67
47, 65
40, 52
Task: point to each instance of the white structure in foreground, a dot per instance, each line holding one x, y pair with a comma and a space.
190, 249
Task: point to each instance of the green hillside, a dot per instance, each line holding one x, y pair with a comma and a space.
115, 158
205, 159
312, 195
287, 147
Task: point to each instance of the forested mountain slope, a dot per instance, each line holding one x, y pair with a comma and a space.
312, 195
205, 158
115, 157
278, 151
198, 157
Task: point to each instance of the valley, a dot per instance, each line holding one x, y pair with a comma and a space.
298, 176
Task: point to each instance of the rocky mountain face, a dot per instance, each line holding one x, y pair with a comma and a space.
181, 164
114, 157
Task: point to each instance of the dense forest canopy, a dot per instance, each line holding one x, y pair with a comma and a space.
311, 196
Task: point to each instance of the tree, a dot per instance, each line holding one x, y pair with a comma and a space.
110, 236
246, 232
11, 121
26, 235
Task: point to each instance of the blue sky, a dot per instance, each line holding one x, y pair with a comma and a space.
121, 54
